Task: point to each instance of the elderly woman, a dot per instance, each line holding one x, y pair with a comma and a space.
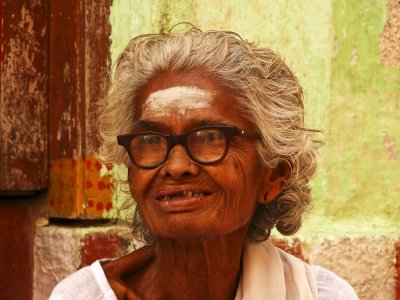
211, 128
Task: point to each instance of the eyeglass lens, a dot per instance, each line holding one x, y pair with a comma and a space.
205, 145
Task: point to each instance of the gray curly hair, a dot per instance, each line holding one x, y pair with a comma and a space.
268, 92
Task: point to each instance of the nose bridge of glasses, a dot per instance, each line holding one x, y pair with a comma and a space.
180, 139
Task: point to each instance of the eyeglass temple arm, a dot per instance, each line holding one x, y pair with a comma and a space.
248, 134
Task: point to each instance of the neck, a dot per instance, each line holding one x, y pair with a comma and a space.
198, 269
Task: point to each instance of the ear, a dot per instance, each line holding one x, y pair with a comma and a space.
274, 181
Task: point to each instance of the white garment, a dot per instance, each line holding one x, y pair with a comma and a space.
88, 283
270, 273
267, 271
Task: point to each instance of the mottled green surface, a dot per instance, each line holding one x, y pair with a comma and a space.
333, 48
360, 181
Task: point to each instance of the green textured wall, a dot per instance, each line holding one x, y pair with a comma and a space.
333, 46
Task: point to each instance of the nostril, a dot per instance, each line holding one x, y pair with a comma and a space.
184, 174
179, 168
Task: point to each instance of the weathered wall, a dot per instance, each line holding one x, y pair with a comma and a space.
61, 250
23, 138
23, 96
361, 164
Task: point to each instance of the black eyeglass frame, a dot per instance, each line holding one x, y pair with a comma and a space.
181, 139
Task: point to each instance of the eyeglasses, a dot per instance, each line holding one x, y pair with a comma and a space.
204, 145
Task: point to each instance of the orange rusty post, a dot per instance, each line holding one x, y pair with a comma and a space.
80, 187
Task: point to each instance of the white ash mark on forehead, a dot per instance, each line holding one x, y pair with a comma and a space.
177, 99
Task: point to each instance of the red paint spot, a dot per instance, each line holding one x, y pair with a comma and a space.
101, 185
99, 206
108, 206
72, 182
51, 202
109, 167
88, 164
61, 184
73, 163
98, 165
60, 165
99, 245
90, 203
397, 266
50, 166
71, 199
89, 184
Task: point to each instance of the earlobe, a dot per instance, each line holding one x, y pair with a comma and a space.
275, 181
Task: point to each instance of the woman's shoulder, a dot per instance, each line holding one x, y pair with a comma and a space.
331, 286
87, 283
103, 279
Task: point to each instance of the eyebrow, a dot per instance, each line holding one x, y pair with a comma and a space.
149, 125
155, 126
206, 122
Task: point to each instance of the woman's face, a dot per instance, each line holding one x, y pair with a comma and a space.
182, 199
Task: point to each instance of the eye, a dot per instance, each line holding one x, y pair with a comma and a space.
207, 136
151, 139
213, 135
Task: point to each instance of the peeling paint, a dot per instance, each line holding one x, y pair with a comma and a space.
23, 103
165, 18
67, 72
97, 48
354, 57
79, 70
389, 146
389, 40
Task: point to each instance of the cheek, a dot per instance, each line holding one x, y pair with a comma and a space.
138, 180
240, 182
246, 167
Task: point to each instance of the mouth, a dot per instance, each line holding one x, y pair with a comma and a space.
181, 195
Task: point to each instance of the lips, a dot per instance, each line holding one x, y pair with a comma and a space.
181, 195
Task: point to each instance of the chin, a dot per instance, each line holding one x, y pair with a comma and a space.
194, 231
183, 233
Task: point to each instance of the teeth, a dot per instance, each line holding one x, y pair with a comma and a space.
184, 194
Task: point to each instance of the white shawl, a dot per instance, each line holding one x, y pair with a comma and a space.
270, 273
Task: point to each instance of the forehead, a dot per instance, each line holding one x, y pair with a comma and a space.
191, 88
176, 93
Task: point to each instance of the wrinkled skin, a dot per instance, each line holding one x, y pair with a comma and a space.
199, 246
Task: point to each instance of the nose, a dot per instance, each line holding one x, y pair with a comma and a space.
179, 165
